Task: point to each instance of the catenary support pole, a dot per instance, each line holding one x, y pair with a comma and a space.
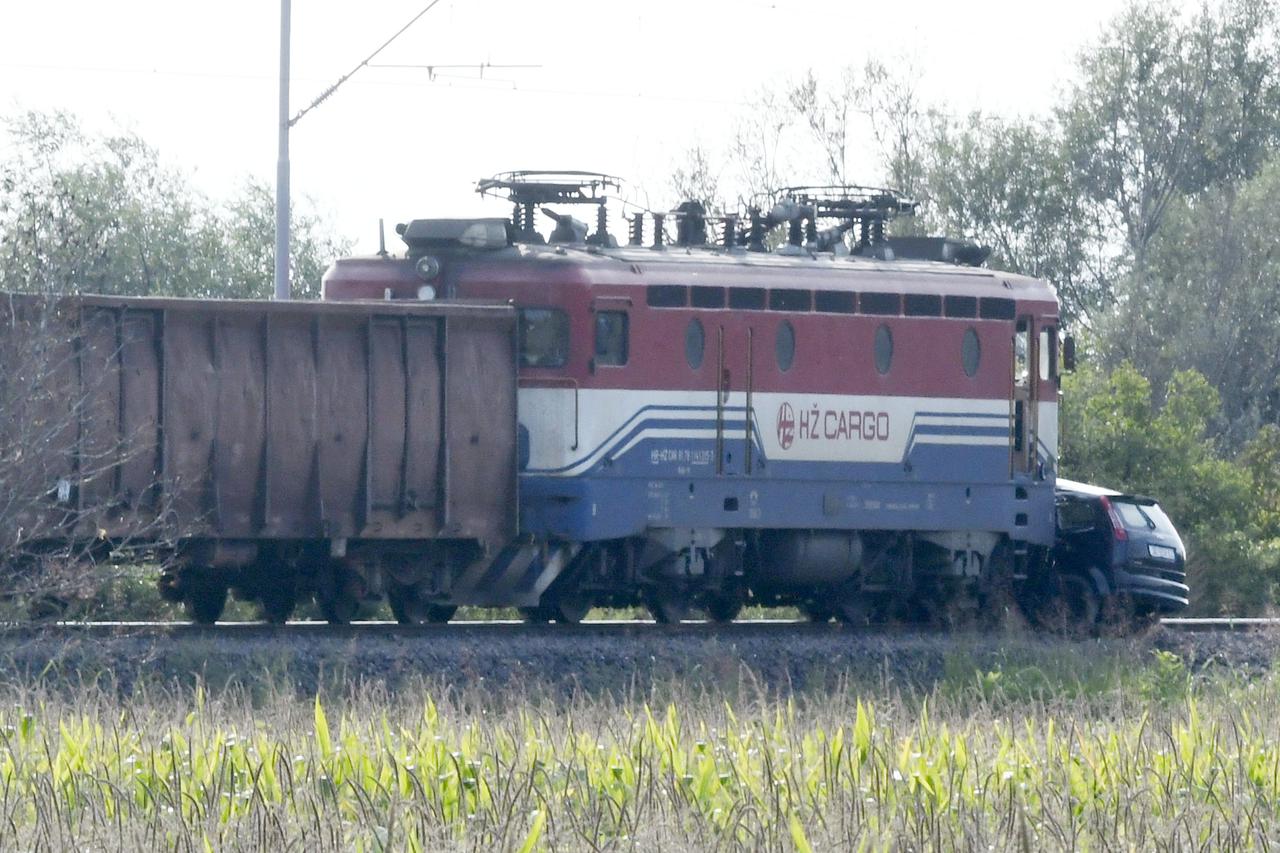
282, 163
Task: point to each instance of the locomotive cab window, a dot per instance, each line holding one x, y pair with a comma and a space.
611, 338
1022, 354
1048, 352
544, 337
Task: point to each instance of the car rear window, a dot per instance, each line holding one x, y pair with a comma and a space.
1143, 516
1073, 515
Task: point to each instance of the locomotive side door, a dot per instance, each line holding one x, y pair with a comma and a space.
1023, 410
734, 389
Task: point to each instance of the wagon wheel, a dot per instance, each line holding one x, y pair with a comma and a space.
278, 601
338, 593
204, 599
410, 608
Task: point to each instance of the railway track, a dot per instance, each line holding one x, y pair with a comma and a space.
511, 628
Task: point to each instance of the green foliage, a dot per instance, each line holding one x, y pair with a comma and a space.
1166, 106
1006, 184
104, 214
1115, 433
1210, 302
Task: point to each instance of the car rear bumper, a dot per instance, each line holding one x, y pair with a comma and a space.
1162, 594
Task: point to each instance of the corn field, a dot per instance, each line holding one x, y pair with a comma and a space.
1001, 760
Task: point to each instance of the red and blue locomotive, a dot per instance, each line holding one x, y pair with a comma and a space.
789, 406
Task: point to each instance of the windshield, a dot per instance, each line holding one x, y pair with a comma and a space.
544, 337
1143, 516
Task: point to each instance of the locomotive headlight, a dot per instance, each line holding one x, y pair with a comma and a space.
427, 268
426, 292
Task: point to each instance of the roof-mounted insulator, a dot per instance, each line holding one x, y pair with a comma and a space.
691, 224
601, 237
730, 230
636, 224
795, 232
657, 230
755, 240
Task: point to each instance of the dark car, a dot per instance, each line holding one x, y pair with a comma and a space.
1123, 547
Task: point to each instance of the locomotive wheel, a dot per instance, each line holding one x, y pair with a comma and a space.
439, 614
855, 611
724, 606
205, 599
667, 607
571, 606
817, 611
539, 615
861, 610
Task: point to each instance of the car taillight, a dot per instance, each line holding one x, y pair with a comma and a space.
1117, 526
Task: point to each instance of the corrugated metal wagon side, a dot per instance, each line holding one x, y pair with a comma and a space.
268, 446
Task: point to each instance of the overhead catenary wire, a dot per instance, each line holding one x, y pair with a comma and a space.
327, 93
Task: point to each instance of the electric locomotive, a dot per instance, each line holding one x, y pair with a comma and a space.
788, 406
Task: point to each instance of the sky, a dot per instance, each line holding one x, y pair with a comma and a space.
622, 88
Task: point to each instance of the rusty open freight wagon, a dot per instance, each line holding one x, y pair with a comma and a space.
263, 446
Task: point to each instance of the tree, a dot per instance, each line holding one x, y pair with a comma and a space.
758, 149
826, 115
891, 100
886, 95
693, 179
104, 214
1210, 302
1166, 107
1117, 433
1006, 184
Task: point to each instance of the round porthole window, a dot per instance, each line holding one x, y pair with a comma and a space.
694, 343
884, 349
785, 346
970, 352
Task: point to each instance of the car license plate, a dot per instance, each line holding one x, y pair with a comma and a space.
1162, 552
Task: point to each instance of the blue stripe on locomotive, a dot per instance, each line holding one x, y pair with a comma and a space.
653, 484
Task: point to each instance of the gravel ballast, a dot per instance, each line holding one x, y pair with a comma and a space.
779, 658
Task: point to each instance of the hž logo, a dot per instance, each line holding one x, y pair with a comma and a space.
786, 425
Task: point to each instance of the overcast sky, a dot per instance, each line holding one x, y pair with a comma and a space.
622, 88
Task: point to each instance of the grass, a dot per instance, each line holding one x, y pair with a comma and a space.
1051, 751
